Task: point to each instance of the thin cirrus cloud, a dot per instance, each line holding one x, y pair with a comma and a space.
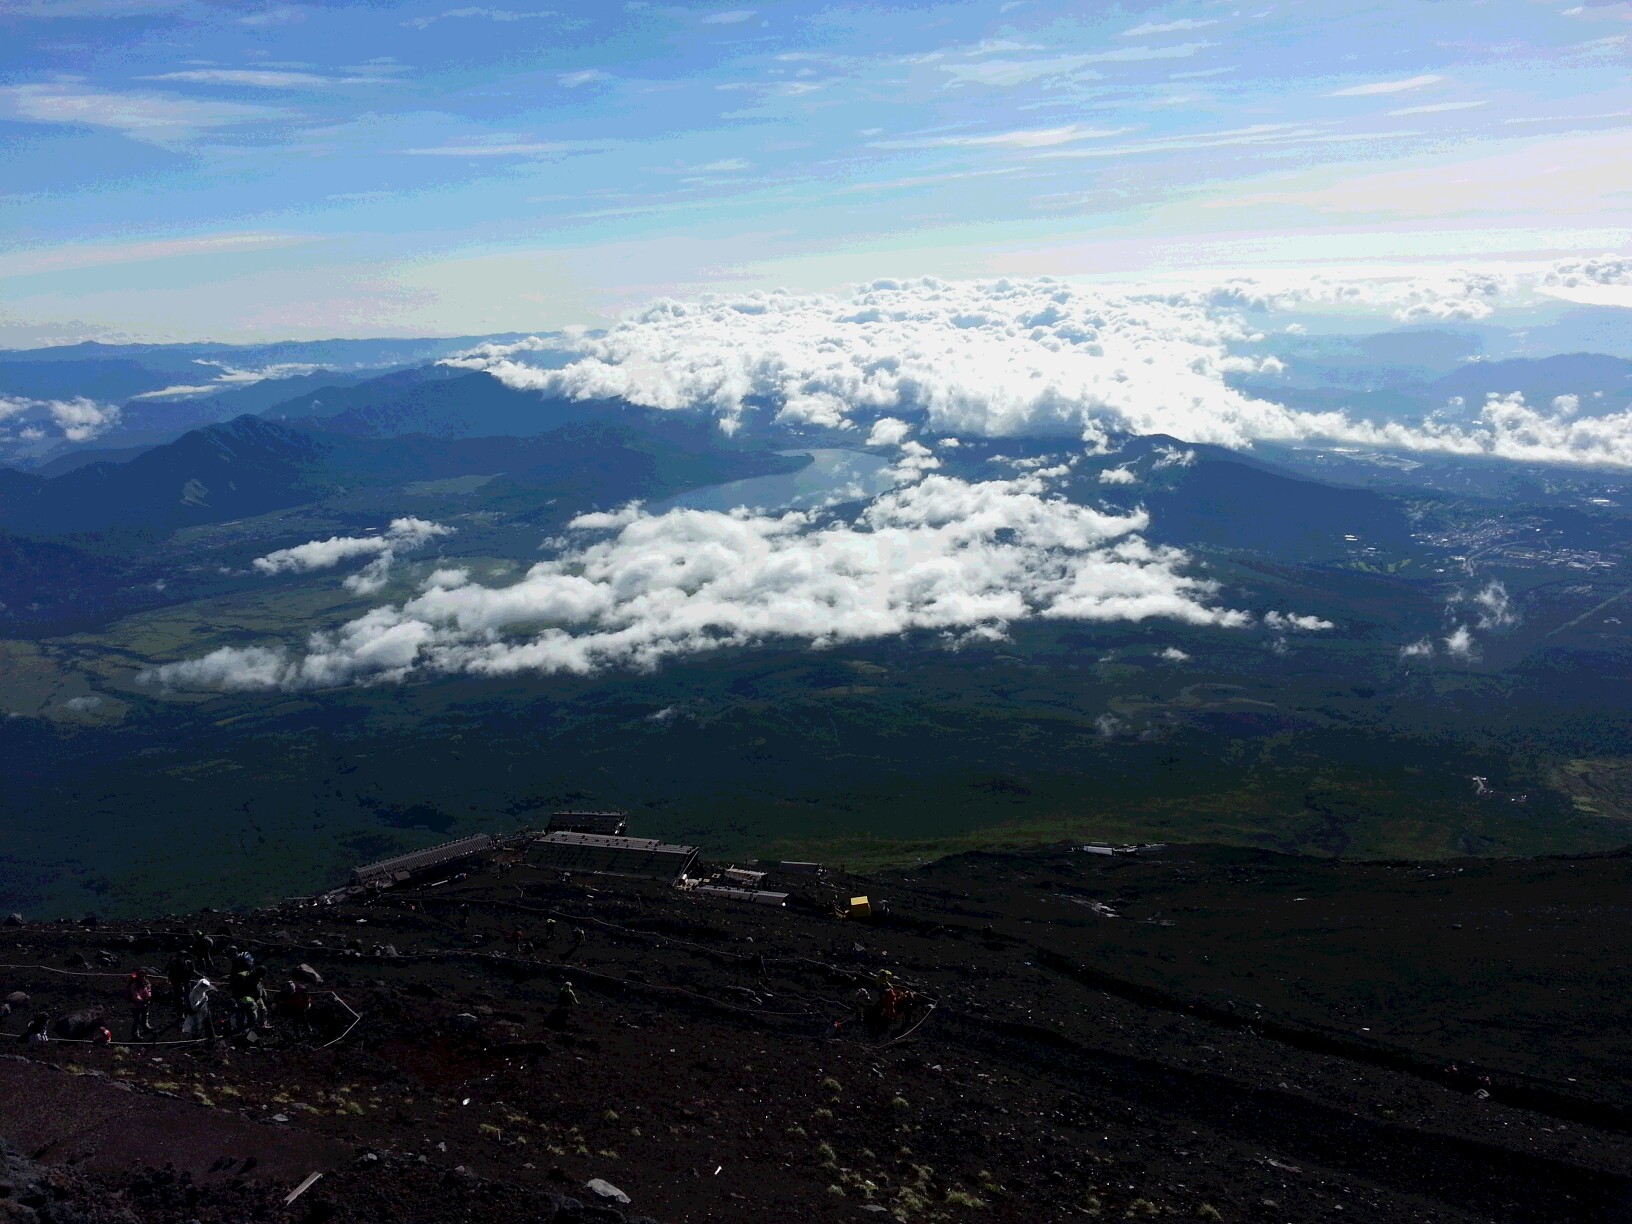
1375, 88
149, 117
730, 17
1006, 72
488, 14
1002, 72
583, 76
66, 258
526, 148
1169, 27
259, 78
1436, 108
1025, 138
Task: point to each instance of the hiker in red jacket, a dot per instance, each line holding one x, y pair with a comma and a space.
139, 990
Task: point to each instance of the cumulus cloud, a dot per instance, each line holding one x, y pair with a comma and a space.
1028, 358
1422, 648
403, 535
76, 420
940, 555
1293, 622
1495, 607
1459, 644
1118, 476
888, 431
1172, 654
1172, 456
230, 667
1450, 294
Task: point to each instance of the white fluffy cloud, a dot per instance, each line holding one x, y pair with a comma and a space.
403, 535
1293, 622
76, 420
1495, 606
888, 431
1602, 270
1459, 644
942, 555
1007, 358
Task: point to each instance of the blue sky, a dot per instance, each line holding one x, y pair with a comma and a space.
176, 169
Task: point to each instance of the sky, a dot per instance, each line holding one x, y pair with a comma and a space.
247, 169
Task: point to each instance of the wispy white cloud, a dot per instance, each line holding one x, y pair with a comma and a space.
910, 181
1003, 72
489, 14
730, 17
278, 14
1169, 27
1386, 87
261, 78
1025, 138
153, 118
92, 8
523, 148
1125, 55
1436, 108
34, 261
583, 76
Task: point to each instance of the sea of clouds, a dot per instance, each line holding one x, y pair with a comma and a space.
1042, 357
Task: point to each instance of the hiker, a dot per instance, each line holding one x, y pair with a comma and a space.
517, 938
577, 941
297, 1003
204, 950
464, 915
180, 973
549, 933
565, 1000
139, 990
102, 1036
199, 1021
35, 1033
247, 986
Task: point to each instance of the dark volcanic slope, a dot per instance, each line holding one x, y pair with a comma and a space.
1076, 1065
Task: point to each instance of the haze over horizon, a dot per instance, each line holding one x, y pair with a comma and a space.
193, 169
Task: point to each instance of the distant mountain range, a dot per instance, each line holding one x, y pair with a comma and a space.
161, 391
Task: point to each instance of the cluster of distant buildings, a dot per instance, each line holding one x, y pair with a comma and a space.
573, 843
